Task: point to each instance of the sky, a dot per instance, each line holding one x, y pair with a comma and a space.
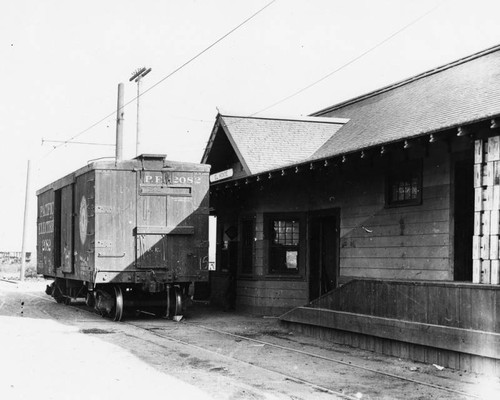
62, 61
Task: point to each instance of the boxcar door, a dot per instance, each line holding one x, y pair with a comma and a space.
151, 240
67, 224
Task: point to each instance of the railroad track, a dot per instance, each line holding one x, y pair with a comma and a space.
355, 369
269, 344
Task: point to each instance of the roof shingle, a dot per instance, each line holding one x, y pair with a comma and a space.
268, 143
462, 92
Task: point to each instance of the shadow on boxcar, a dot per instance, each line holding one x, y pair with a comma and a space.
170, 262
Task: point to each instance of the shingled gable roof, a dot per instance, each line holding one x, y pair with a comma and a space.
459, 93
263, 144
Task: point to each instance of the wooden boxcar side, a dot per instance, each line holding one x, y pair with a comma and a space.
138, 226
45, 233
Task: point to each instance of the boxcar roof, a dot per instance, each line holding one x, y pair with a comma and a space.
149, 162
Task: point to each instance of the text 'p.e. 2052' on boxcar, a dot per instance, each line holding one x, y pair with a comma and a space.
125, 235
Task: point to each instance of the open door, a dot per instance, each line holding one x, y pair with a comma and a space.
464, 219
323, 253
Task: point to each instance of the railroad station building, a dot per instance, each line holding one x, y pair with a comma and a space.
373, 222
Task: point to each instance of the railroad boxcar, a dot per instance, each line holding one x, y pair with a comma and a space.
125, 234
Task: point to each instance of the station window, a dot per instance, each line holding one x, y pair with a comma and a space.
404, 184
284, 244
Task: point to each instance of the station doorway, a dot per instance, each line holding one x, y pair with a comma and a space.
464, 219
323, 246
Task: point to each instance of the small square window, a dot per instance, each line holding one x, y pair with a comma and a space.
404, 184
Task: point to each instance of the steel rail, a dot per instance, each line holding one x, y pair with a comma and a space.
82, 307
85, 308
306, 353
197, 347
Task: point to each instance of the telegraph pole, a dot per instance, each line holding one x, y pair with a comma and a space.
137, 76
119, 124
25, 223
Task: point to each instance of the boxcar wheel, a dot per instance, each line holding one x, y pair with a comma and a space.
117, 312
178, 302
174, 302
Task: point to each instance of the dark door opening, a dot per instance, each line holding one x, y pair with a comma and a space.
323, 254
464, 219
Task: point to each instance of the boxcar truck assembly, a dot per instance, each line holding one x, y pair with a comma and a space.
125, 235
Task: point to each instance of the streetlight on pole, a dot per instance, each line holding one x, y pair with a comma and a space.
137, 75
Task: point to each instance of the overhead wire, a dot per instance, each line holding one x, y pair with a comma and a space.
340, 68
353, 60
199, 54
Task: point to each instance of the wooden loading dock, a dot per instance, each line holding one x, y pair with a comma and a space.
373, 222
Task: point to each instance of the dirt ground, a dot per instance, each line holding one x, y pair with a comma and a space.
52, 351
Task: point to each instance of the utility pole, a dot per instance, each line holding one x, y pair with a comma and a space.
119, 124
25, 223
137, 76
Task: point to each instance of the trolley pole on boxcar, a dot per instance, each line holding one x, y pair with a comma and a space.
25, 223
138, 75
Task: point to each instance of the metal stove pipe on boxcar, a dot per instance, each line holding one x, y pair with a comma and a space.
125, 234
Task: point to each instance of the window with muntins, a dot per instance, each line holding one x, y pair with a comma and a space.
284, 245
404, 184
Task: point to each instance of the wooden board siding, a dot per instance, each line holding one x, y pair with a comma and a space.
46, 233
270, 297
410, 242
84, 228
400, 349
455, 325
115, 219
459, 305
485, 344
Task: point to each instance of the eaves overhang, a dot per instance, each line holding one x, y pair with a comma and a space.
469, 129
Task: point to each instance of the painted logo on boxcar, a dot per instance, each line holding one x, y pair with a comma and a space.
46, 211
83, 220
